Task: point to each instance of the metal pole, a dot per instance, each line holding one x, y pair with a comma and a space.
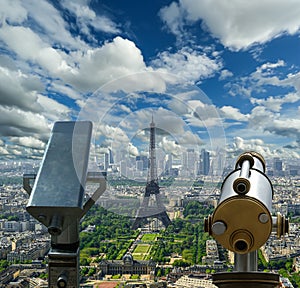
245, 262
253, 261
63, 266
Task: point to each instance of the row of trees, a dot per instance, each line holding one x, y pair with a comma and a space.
112, 236
184, 238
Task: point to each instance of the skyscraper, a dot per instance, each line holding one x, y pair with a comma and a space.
204, 162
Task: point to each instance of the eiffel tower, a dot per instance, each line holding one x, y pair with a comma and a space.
157, 209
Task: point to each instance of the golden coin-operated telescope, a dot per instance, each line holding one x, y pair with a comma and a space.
242, 221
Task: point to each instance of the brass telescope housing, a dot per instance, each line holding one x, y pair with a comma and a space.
242, 221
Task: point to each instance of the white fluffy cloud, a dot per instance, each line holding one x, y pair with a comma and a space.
229, 112
114, 59
240, 145
28, 141
33, 49
87, 18
188, 64
275, 103
170, 146
238, 24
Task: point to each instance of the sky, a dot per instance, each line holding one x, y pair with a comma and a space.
219, 75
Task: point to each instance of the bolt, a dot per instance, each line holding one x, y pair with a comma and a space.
263, 218
42, 218
218, 228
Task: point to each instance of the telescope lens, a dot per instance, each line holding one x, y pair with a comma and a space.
241, 246
61, 283
55, 227
55, 231
241, 188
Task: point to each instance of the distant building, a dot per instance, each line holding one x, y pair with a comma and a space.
143, 162
204, 162
212, 254
285, 282
194, 281
277, 167
297, 264
126, 266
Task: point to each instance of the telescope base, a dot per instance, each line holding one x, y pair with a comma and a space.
245, 279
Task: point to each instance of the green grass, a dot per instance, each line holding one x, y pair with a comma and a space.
138, 256
142, 248
149, 237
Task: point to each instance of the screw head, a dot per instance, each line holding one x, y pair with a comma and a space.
218, 228
263, 218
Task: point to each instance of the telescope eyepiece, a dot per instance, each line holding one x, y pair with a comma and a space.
241, 186
242, 241
55, 227
241, 246
62, 280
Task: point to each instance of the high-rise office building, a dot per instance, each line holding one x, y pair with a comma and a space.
204, 162
277, 167
144, 159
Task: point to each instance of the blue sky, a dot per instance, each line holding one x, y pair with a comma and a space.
215, 74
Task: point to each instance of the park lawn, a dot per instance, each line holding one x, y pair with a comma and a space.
149, 237
141, 248
138, 256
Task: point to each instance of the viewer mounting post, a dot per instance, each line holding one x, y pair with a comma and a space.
242, 222
57, 196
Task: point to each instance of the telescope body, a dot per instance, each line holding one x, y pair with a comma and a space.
58, 192
242, 221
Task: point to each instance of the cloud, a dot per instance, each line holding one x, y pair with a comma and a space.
188, 64
114, 59
203, 114
238, 24
29, 141
16, 90
260, 116
12, 12
33, 49
15, 122
170, 146
63, 89
229, 112
285, 127
132, 150
53, 110
270, 66
173, 16
45, 19
225, 74
86, 18
240, 145
275, 103
258, 83
3, 151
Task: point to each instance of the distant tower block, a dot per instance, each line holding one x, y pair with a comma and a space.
151, 209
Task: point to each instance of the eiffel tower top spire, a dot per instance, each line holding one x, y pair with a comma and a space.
152, 171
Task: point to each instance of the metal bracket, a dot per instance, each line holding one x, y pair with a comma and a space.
26, 182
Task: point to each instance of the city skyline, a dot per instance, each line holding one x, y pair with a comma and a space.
216, 76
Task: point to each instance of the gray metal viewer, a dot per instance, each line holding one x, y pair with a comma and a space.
57, 197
